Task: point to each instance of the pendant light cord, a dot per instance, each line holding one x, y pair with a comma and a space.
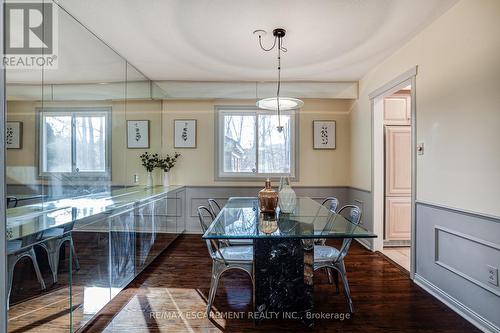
280, 128
281, 48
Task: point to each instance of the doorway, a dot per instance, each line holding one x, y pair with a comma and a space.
397, 174
393, 173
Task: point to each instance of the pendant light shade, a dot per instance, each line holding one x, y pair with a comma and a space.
277, 103
285, 103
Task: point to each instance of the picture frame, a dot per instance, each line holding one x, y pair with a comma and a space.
324, 134
13, 135
138, 134
185, 133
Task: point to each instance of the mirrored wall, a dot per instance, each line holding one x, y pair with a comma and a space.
82, 218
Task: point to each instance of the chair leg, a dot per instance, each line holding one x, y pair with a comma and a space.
52, 248
347, 292
75, 258
11, 264
333, 277
39, 276
213, 287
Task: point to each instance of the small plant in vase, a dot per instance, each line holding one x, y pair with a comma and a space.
166, 164
150, 162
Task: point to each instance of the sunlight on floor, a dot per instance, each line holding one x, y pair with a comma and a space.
179, 308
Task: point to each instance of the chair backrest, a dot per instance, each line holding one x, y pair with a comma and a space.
331, 203
214, 207
353, 214
206, 218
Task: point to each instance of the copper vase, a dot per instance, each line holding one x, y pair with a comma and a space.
268, 199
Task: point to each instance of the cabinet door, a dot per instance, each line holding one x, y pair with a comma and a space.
398, 218
397, 160
397, 110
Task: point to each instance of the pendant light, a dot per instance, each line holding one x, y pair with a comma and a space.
277, 103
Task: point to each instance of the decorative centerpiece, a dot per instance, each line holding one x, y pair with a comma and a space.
149, 162
166, 164
287, 196
268, 199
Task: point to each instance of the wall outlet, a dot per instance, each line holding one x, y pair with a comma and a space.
136, 179
493, 275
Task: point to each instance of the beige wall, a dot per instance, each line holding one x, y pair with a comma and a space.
458, 115
196, 166
317, 167
22, 163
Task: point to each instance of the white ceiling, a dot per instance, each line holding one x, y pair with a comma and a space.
206, 40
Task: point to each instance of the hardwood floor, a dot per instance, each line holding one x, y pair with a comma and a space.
178, 281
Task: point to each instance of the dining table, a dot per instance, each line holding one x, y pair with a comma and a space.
283, 251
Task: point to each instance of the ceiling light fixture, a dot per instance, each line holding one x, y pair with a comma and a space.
277, 103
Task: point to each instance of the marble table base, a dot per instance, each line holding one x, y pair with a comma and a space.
284, 279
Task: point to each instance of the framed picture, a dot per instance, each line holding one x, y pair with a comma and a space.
14, 135
137, 133
324, 134
185, 133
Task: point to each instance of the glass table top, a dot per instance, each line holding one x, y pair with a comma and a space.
241, 219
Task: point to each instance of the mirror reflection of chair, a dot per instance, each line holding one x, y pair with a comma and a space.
332, 258
52, 240
16, 252
223, 258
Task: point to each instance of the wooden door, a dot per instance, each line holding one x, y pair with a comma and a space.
397, 182
397, 110
397, 215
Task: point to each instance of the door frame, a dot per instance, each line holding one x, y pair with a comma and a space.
378, 157
3, 243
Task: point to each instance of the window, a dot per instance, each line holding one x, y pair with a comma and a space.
75, 141
249, 145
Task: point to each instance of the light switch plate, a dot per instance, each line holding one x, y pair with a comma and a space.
420, 148
493, 275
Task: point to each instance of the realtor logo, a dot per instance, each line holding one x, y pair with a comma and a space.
30, 35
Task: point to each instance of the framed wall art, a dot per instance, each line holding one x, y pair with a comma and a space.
14, 135
324, 134
185, 133
137, 133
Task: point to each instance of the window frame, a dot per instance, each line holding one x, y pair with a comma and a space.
73, 112
220, 175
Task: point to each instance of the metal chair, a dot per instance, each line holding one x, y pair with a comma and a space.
332, 258
15, 252
332, 204
12, 199
223, 258
52, 240
215, 209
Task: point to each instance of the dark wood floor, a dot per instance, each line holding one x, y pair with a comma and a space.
178, 281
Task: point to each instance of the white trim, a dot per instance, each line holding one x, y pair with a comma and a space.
394, 82
72, 112
465, 312
219, 175
378, 178
495, 218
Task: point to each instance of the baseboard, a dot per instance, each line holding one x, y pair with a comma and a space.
471, 316
363, 242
